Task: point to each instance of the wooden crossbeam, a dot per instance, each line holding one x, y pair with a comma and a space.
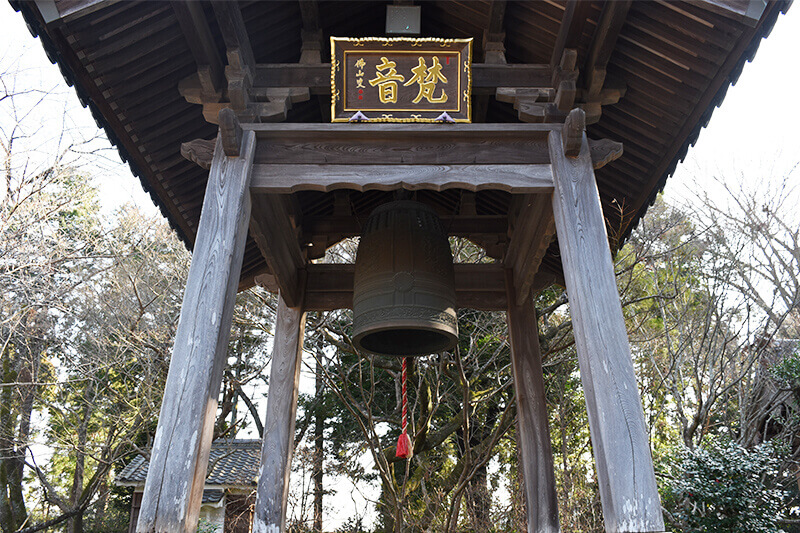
402, 144
478, 286
456, 225
288, 178
276, 237
401, 155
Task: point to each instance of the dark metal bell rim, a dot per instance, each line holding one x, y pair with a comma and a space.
449, 335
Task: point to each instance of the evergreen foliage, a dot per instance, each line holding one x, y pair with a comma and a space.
726, 488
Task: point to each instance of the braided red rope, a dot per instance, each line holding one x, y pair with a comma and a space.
404, 449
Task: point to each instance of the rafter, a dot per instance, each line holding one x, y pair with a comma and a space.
572, 22
234, 34
195, 28
603, 43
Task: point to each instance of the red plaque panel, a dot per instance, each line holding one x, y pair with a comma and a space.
401, 79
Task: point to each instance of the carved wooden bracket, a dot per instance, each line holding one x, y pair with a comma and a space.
251, 104
199, 151
604, 151
536, 104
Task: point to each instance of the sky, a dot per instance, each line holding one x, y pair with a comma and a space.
753, 134
755, 130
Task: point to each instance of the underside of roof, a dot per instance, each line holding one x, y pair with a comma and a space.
675, 60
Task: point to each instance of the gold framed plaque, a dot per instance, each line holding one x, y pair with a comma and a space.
400, 79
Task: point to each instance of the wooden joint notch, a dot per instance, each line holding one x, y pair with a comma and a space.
572, 134
231, 132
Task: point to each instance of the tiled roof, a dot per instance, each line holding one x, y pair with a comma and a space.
231, 463
212, 495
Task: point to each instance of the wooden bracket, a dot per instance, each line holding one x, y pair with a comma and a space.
535, 104
251, 104
231, 132
199, 152
572, 134
604, 151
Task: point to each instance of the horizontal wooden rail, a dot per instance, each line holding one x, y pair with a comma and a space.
478, 286
286, 178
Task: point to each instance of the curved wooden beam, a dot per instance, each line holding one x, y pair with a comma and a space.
285, 179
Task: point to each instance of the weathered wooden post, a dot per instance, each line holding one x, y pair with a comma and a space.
534, 433
177, 472
616, 420
278, 444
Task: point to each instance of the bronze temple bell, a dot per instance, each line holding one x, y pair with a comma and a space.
404, 297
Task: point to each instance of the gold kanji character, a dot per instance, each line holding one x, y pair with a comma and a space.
386, 81
360, 63
427, 78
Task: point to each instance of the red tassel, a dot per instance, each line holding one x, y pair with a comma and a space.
404, 448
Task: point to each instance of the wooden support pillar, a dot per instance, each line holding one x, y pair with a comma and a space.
278, 444
533, 431
616, 420
177, 472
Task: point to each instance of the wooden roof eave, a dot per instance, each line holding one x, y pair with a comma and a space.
721, 20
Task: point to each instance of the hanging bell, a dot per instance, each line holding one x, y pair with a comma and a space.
404, 297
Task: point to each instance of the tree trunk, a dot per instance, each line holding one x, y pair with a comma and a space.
75, 524
12, 502
319, 429
479, 501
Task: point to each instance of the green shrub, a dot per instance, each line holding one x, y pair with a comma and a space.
724, 488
